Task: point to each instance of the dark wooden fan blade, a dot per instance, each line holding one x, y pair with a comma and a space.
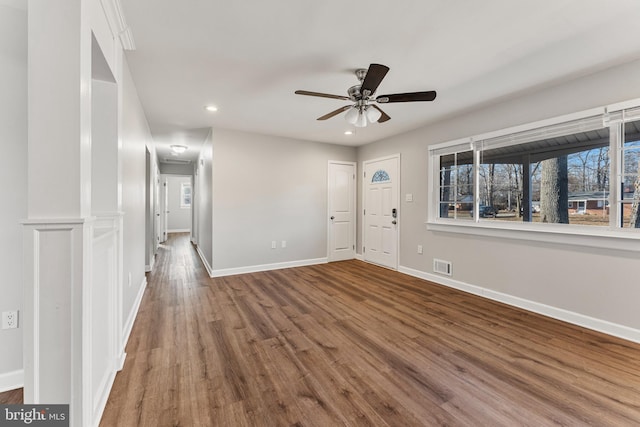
323, 95
335, 112
407, 97
375, 74
384, 117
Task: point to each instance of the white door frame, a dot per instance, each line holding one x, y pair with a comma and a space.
163, 186
157, 229
354, 206
364, 200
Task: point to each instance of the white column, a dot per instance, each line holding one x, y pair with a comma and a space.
58, 231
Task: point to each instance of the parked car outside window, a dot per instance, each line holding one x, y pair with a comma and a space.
487, 212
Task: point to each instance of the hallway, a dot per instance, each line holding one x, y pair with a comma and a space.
349, 343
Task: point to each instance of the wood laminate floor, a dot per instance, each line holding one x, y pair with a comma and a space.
353, 344
350, 343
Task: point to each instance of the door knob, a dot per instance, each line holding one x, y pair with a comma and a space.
394, 222
332, 217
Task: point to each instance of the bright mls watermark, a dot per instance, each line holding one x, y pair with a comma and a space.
34, 415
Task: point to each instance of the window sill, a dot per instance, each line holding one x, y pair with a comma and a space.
594, 237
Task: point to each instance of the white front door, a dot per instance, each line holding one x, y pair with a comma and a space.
381, 187
342, 215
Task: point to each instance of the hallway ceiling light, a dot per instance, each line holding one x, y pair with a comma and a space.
211, 108
179, 149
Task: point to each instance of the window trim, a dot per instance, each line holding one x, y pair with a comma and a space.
564, 234
610, 237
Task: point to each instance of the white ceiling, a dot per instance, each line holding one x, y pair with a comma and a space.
248, 57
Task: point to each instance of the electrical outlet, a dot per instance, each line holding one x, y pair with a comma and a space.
273, 244
420, 249
284, 243
9, 320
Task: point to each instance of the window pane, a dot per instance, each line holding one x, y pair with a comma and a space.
185, 195
630, 194
456, 185
568, 180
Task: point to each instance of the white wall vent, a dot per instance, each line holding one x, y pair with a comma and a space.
442, 267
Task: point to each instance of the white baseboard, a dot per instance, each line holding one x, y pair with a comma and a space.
100, 402
267, 267
588, 322
204, 261
128, 326
11, 380
359, 257
149, 267
179, 230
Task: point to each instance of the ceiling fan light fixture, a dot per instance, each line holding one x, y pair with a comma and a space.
178, 149
352, 116
361, 121
373, 114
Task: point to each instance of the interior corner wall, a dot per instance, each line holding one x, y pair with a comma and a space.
135, 137
270, 189
203, 202
13, 176
594, 283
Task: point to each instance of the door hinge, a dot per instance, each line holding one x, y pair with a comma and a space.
354, 247
365, 174
364, 249
365, 212
164, 184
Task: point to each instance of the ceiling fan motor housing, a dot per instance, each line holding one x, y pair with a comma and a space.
354, 93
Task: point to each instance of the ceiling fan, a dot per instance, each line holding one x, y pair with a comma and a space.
364, 110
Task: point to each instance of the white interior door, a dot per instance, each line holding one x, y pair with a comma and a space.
165, 221
381, 187
157, 208
342, 215
163, 211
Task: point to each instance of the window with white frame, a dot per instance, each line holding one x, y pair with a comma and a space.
583, 171
629, 195
185, 195
456, 184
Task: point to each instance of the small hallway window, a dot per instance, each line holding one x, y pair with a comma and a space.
185, 195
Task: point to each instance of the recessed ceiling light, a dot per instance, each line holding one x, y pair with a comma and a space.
211, 108
348, 132
179, 149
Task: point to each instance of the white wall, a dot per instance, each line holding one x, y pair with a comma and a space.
182, 169
269, 189
13, 181
593, 283
135, 137
203, 202
179, 218
104, 146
